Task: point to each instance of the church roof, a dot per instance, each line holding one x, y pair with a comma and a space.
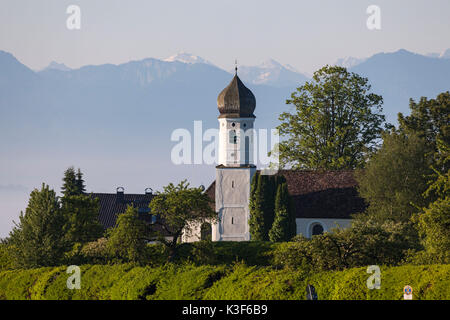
320, 194
236, 100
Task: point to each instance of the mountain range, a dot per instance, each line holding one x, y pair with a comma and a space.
116, 121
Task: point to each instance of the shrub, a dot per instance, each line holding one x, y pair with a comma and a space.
219, 282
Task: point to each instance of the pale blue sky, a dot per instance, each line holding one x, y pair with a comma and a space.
305, 34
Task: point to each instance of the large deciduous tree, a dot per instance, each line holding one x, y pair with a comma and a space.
181, 208
38, 239
335, 124
396, 177
127, 240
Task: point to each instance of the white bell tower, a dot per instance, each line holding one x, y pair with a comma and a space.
236, 104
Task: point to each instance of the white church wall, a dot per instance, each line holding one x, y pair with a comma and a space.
232, 201
305, 225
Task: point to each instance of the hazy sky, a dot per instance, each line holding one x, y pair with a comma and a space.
305, 34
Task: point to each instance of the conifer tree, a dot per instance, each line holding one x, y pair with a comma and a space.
70, 185
281, 230
81, 188
269, 204
80, 210
256, 222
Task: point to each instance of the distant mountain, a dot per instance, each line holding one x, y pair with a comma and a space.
401, 75
57, 66
116, 121
272, 73
443, 55
186, 58
349, 62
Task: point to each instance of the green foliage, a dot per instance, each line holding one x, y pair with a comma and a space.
82, 224
262, 206
256, 222
227, 252
96, 252
80, 210
367, 242
281, 229
429, 118
434, 227
396, 177
127, 240
73, 183
6, 260
191, 282
239, 282
180, 208
336, 123
38, 239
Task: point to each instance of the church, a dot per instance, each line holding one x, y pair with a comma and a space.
321, 200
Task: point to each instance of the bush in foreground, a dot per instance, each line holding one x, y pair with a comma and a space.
128, 281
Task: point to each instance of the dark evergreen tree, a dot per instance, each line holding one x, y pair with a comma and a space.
80, 182
256, 222
280, 230
269, 204
70, 185
82, 224
81, 211
38, 239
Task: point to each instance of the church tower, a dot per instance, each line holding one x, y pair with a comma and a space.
236, 104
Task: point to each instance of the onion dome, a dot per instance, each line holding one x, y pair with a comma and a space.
236, 101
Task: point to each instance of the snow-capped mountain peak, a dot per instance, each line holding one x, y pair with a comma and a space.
186, 58
349, 62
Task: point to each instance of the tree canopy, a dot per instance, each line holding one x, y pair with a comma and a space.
38, 239
180, 209
336, 122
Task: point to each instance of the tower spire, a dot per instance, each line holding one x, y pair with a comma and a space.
235, 66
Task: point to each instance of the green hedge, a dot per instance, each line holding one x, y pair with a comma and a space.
127, 281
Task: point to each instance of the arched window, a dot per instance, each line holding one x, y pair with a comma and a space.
316, 229
206, 231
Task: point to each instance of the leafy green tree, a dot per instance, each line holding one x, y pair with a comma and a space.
429, 118
82, 224
434, 221
127, 240
396, 177
38, 239
281, 230
337, 122
366, 242
181, 208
